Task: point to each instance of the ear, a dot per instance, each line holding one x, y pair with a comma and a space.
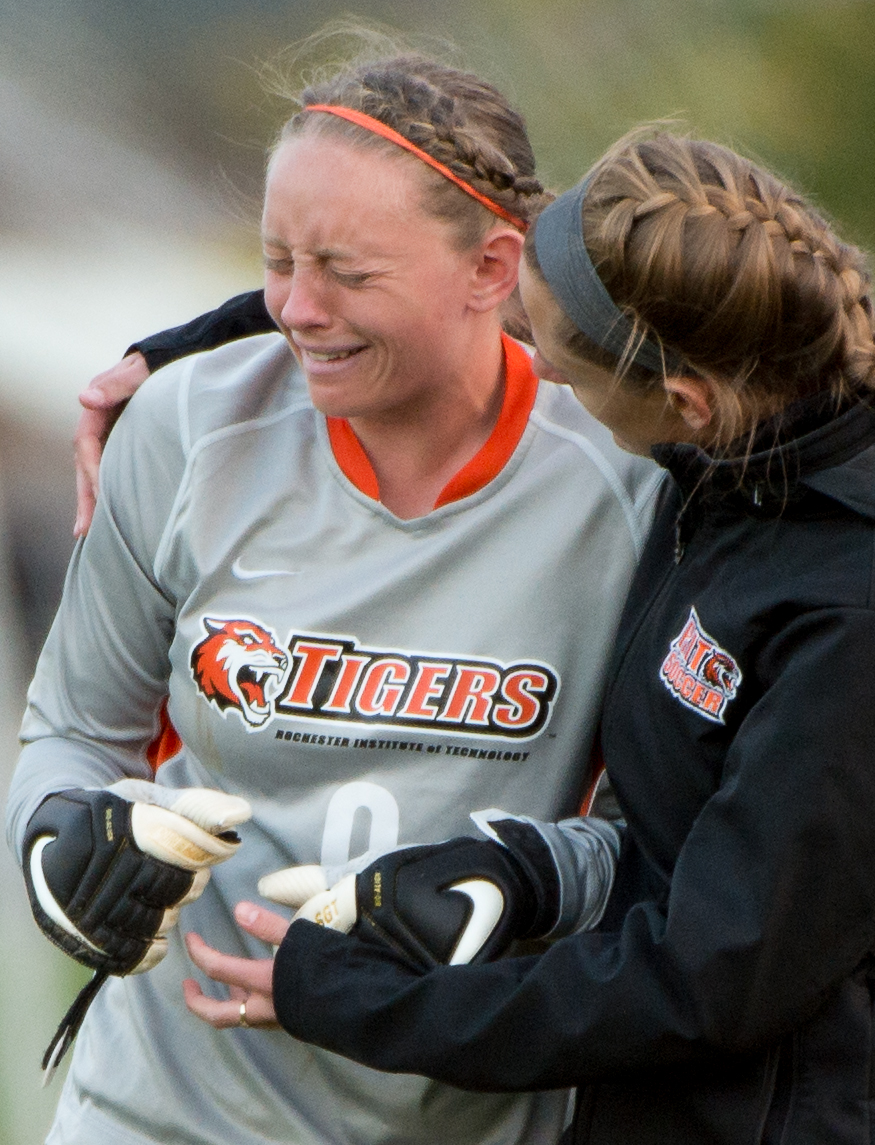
693, 399
497, 268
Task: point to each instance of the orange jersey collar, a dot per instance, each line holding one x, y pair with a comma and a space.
520, 390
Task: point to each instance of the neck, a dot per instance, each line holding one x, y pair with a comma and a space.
414, 452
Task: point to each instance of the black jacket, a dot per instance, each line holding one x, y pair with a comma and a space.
240, 316
727, 995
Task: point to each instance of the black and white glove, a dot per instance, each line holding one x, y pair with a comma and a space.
108, 871
465, 900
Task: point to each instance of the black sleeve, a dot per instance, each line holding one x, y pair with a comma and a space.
239, 317
771, 908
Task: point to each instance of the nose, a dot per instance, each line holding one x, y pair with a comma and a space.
545, 370
305, 304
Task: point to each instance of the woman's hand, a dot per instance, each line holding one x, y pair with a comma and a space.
104, 400
250, 979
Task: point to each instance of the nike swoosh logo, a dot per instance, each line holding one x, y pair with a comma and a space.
256, 574
46, 899
487, 902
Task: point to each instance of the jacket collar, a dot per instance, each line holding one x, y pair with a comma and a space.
811, 445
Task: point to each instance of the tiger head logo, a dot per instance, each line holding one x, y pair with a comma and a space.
721, 670
238, 665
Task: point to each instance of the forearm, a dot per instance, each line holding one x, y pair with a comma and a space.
770, 908
53, 764
517, 1024
593, 1007
239, 317
102, 677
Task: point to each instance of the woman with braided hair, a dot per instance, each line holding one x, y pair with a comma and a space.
710, 317
330, 573
462, 124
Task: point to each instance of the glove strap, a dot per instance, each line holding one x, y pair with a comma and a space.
70, 1023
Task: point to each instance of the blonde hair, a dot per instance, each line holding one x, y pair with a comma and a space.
455, 117
733, 271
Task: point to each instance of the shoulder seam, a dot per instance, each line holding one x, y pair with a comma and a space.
607, 471
182, 405
193, 451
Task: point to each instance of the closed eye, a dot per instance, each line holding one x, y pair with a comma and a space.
352, 278
279, 265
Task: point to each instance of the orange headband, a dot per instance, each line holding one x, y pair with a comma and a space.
370, 124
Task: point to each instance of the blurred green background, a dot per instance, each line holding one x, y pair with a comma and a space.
131, 145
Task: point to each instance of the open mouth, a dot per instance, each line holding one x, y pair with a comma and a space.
330, 357
333, 355
253, 684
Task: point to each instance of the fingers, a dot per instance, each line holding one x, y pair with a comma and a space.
224, 1013
254, 975
306, 888
250, 981
264, 924
91, 433
102, 402
116, 385
213, 810
293, 886
174, 839
336, 908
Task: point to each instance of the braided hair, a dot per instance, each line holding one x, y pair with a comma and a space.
457, 118
733, 271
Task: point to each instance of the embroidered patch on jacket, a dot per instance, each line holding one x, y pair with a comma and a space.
699, 673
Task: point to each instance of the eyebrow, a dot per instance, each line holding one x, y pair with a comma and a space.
327, 254
323, 254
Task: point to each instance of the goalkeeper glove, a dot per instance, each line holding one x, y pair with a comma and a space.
108, 871
464, 900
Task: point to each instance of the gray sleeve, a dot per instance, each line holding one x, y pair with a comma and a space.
584, 851
102, 676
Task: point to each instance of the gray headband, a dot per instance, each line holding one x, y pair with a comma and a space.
571, 276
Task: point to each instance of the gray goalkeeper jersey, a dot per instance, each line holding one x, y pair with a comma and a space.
363, 680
